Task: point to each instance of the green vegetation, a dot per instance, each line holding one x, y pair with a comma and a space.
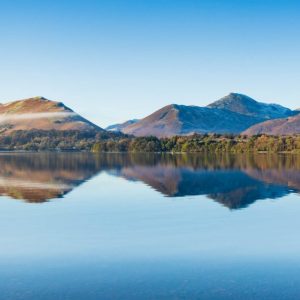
103, 141
56, 140
202, 143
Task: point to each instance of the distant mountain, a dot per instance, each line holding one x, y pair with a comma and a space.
286, 126
41, 113
231, 114
119, 127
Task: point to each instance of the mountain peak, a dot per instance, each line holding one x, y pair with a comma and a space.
246, 105
234, 94
39, 98
35, 98
232, 100
171, 106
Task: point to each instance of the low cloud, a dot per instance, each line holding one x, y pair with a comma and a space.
32, 116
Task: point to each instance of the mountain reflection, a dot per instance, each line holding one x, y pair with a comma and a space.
234, 181
38, 177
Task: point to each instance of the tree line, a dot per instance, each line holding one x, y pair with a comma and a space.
213, 143
104, 141
55, 140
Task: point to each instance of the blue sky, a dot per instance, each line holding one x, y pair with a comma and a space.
114, 60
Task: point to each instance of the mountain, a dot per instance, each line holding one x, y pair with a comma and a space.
245, 105
286, 126
183, 120
231, 114
120, 126
41, 113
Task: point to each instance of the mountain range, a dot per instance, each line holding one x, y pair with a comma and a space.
232, 114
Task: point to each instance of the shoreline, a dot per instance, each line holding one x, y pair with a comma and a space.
148, 152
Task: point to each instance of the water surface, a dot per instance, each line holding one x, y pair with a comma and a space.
120, 226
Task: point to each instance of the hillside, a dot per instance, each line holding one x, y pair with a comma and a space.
287, 126
43, 114
231, 114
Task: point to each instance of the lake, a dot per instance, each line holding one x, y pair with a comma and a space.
149, 226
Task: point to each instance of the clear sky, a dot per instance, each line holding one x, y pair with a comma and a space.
113, 60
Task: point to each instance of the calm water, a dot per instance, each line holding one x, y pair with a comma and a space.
83, 226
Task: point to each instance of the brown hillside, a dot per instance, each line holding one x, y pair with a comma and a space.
287, 126
40, 113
